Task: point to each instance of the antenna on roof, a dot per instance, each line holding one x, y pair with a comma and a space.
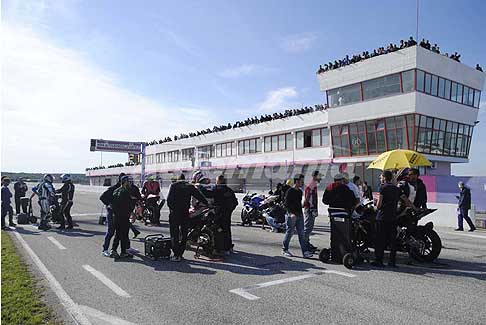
417, 30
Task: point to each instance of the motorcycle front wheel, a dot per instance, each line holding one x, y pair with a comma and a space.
430, 247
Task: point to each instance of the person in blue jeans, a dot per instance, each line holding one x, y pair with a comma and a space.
295, 218
107, 198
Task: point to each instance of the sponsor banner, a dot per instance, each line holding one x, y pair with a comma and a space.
115, 146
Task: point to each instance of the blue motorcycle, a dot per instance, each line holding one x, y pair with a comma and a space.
252, 211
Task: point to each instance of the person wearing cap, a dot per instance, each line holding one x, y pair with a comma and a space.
107, 198
464, 205
338, 195
20, 189
294, 218
6, 203
178, 201
310, 207
152, 187
121, 205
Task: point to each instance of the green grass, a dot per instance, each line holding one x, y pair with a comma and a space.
21, 298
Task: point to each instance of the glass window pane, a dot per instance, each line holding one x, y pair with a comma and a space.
441, 87
391, 139
408, 79
316, 138
332, 97
380, 141
428, 81
336, 142
477, 96
460, 88
435, 81
447, 94
252, 146
325, 137
268, 144
274, 143
246, 148
466, 95
420, 80
381, 86
258, 145
289, 142
300, 140
281, 142
400, 122
454, 91
470, 100
390, 123
345, 95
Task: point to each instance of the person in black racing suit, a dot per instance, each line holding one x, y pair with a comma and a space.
67, 195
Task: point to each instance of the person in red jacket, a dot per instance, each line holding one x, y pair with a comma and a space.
152, 188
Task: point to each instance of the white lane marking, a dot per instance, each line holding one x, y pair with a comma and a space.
107, 319
107, 282
55, 242
241, 292
66, 301
244, 292
466, 235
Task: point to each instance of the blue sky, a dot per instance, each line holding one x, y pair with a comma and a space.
185, 65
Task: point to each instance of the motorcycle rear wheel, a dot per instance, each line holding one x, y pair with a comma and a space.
432, 245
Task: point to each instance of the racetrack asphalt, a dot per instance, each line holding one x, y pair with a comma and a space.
256, 284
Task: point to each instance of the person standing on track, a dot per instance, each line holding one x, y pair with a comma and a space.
121, 205
6, 204
295, 218
47, 197
386, 224
464, 205
225, 198
20, 189
152, 188
178, 201
134, 197
310, 207
67, 195
107, 198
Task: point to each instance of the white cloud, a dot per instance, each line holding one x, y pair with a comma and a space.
54, 101
298, 42
243, 70
277, 99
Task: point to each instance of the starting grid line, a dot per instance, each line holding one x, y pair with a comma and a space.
244, 292
107, 282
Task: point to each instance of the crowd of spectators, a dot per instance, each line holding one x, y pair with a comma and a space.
130, 163
248, 121
384, 50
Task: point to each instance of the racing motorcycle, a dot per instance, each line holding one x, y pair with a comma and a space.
421, 241
145, 212
204, 231
55, 214
253, 207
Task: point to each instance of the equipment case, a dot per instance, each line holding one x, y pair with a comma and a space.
157, 246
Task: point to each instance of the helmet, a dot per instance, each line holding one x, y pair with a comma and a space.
48, 178
197, 176
65, 178
151, 178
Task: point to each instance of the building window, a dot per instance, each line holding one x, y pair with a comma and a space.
313, 138
420, 80
428, 82
227, 149
380, 87
460, 89
447, 94
205, 152
434, 85
441, 87
173, 156
279, 142
358, 138
477, 97
187, 154
344, 95
249, 146
408, 80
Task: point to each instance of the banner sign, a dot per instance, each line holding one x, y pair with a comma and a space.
115, 146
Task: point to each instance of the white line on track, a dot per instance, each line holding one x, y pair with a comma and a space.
66, 301
244, 292
107, 282
466, 235
105, 318
84, 214
55, 242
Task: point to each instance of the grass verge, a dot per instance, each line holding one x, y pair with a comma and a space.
21, 298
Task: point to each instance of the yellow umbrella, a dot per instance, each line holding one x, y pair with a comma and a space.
398, 159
